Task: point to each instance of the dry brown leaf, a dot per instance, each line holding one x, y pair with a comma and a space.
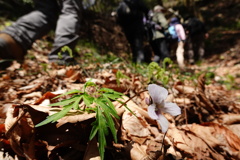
135, 125
138, 152
3, 109
218, 137
32, 95
92, 152
16, 65
185, 89
185, 101
4, 142
24, 137
72, 117
47, 95
33, 86
113, 85
73, 76
78, 117
229, 118
153, 146
134, 107
191, 146
20, 131
233, 141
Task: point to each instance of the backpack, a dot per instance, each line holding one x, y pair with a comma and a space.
195, 26
172, 32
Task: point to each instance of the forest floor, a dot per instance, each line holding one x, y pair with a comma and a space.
207, 93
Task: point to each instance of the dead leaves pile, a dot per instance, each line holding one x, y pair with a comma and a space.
208, 127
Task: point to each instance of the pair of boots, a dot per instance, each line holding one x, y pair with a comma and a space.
10, 50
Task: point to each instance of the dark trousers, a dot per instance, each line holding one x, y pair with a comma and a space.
135, 37
195, 47
62, 15
160, 49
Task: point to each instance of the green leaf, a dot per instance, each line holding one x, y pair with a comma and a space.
93, 131
88, 84
111, 106
120, 75
66, 101
111, 110
111, 125
75, 105
107, 111
69, 92
166, 61
111, 94
102, 132
53, 118
88, 100
66, 49
106, 90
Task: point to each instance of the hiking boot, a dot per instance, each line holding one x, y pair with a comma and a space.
9, 50
64, 59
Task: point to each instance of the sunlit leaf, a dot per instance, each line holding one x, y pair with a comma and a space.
93, 131
88, 84
69, 92
102, 132
120, 75
53, 118
106, 107
103, 107
112, 96
75, 105
66, 101
110, 122
110, 104
88, 100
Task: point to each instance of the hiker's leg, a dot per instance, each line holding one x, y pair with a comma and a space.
190, 51
180, 54
163, 49
34, 25
155, 47
131, 40
68, 25
201, 47
138, 53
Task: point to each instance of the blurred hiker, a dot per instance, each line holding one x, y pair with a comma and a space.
196, 35
62, 15
130, 16
177, 40
158, 41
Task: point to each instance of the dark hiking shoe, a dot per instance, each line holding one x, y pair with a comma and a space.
9, 50
64, 59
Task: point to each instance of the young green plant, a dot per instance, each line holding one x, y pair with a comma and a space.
95, 100
157, 72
